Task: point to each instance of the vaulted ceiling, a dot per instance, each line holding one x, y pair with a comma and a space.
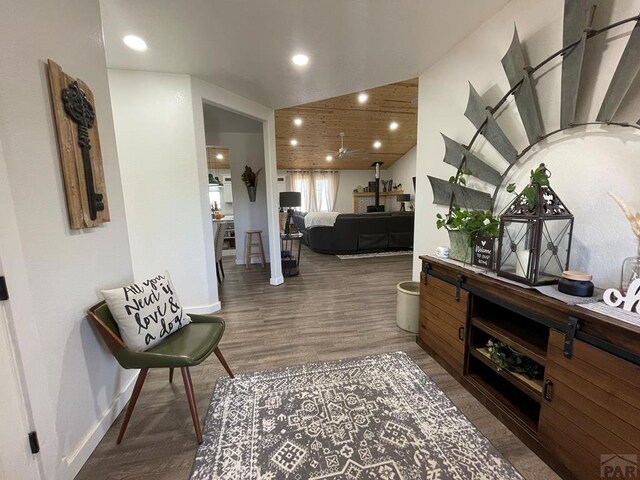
363, 123
245, 46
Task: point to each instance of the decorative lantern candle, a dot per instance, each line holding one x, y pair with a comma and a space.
535, 235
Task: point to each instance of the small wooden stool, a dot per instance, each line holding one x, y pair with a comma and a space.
249, 244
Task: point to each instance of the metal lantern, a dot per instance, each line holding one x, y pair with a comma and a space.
535, 242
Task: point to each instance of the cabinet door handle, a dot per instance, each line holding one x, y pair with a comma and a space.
547, 392
461, 333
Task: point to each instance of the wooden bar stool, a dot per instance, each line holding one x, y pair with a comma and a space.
249, 244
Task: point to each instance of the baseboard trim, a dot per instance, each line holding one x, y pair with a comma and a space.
275, 281
74, 462
214, 307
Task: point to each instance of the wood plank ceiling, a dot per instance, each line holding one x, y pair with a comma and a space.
362, 123
214, 162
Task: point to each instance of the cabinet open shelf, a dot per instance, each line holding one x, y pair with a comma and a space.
533, 388
511, 401
519, 336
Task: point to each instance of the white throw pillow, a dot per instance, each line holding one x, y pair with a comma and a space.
146, 312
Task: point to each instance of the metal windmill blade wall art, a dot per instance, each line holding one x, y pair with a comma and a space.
79, 145
578, 15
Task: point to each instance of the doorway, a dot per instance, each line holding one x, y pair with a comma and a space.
234, 142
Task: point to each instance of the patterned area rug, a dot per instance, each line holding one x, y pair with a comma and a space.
377, 254
376, 417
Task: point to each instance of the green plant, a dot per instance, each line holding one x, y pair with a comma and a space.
249, 177
540, 176
507, 358
469, 222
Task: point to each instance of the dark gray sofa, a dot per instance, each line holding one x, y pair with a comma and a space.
360, 232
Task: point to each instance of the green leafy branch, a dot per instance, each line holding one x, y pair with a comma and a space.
506, 358
540, 176
470, 222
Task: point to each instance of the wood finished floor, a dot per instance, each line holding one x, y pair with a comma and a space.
334, 309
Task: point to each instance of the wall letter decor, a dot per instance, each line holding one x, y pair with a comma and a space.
79, 145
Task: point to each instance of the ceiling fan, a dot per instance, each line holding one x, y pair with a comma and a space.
347, 152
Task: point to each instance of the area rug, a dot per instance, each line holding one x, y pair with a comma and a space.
377, 254
375, 417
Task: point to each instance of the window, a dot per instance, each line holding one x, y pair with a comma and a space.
318, 190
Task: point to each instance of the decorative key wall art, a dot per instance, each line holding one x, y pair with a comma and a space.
79, 146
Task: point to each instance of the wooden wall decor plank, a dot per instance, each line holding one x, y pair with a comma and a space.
576, 19
626, 72
319, 134
73, 171
515, 68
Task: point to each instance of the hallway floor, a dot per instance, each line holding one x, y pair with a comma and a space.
334, 309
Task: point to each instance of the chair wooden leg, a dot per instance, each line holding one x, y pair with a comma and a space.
171, 375
132, 402
191, 398
218, 272
222, 269
223, 361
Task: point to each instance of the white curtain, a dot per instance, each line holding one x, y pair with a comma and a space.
303, 182
326, 184
318, 190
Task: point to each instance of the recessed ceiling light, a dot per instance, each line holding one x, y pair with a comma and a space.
329, 158
219, 156
393, 126
377, 144
294, 142
135, 43
297, 121
300, 59
363, 97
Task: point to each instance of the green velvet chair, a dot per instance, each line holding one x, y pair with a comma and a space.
187, 347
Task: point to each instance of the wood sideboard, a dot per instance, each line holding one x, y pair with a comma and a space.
585, 409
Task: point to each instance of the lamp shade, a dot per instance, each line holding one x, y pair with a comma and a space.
290, 199
403, 197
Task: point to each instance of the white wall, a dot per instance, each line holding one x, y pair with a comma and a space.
585, 163
206, 93
349, 180
245, 149
161, 181
54, 273
402, 172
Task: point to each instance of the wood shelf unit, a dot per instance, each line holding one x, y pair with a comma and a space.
516, 336
533, 388
504, 400
588, 401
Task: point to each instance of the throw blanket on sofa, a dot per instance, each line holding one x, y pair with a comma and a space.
320, 219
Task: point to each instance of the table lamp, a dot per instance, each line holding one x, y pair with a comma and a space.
404, 197
289, 200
